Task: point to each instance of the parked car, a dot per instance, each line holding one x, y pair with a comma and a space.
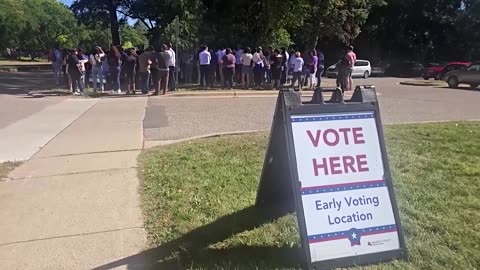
378, 71
405, 69
470, 75
362, 69
438, 72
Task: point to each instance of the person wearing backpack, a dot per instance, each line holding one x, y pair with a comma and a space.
97, 71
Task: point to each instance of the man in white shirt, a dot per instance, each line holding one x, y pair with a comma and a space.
172, 84
297, 69
204, 58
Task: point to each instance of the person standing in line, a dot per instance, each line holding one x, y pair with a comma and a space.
247, 63
172, 84
84, 68
291, 64
321, 67
97, 72
220, 53
66, 77
212, 72
228, 65
56, 58
238, 64
204, 59
75, 72
160, 69
313, 69
144, 63
352, 59
131, 70
257, 67
297, 69
114, 60
106, 72
285, 58
276, 66
267, 64
342, 73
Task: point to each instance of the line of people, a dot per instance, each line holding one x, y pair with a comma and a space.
243, 68
109, 69
267, 69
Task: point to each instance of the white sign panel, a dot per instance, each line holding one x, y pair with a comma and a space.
346, 203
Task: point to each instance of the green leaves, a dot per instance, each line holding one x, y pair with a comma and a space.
35, 24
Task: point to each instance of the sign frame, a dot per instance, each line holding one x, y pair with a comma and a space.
364, 99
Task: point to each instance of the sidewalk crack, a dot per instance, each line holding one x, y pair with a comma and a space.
69, 235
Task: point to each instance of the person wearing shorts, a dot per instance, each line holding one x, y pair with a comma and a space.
352, 58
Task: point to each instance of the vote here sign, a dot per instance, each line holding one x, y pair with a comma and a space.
346, 203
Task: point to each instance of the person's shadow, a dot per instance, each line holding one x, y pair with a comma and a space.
192, 249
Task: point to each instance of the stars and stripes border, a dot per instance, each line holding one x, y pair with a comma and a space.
343, 187
332, 117
345, 234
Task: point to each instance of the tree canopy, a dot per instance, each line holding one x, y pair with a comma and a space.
424, 30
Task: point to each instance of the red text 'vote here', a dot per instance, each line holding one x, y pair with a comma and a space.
333, 137
338, 164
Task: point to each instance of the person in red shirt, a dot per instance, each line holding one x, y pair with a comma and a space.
352, 58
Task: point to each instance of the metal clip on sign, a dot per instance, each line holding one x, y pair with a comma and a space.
326, 160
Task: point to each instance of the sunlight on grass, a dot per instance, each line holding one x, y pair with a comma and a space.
198, 196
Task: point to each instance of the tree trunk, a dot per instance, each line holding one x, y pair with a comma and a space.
114, 25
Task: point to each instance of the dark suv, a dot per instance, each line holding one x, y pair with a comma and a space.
470, 75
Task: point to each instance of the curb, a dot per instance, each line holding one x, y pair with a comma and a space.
421, 84
152, 144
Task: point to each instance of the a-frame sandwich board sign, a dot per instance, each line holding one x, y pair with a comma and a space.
327, 161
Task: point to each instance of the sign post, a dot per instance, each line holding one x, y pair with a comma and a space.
327, 161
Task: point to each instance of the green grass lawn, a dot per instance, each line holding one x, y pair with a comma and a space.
198, 201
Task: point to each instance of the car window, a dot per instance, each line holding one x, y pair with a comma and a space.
361, 64
475, 67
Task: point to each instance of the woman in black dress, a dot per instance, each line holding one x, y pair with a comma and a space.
277, 65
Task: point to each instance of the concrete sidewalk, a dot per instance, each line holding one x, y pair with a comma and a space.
74, 204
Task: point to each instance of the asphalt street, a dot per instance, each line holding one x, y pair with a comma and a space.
173, 118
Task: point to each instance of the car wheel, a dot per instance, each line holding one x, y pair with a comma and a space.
426, 78
473, 86
366, 74
452, 82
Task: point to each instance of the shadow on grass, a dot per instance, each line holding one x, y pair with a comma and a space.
192, 249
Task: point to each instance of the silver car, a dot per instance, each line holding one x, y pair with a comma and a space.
362, 68
470, 76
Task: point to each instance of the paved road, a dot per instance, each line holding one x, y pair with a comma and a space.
170, 118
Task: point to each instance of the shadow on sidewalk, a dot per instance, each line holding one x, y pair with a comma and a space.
193, 248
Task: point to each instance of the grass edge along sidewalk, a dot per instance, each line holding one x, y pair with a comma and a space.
197, 199
7, 167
